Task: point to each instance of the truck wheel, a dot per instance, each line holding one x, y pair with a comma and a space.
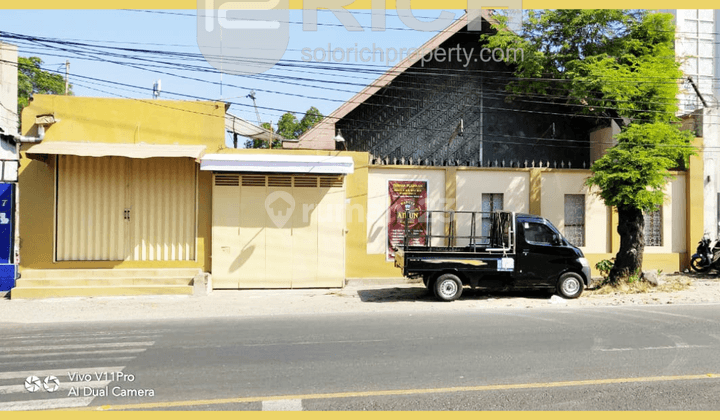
570, 285
448, 287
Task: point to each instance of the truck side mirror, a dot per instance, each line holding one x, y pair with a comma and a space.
556, 239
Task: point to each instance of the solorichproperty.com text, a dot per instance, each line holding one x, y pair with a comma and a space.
391, 55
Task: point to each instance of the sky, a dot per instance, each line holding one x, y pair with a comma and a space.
305, 76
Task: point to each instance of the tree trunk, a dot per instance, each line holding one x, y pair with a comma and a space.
628, 260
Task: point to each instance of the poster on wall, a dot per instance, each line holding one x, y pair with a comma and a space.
408, 200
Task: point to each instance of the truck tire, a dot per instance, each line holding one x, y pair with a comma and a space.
570, 285
448, 287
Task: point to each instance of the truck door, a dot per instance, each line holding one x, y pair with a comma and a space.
538, 261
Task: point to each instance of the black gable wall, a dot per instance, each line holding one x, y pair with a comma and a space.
415, 116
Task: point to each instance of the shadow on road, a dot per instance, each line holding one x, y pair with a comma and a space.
421, 294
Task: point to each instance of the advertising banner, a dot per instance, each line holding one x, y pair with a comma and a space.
408, 200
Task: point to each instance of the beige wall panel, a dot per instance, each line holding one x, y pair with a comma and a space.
162, 197
554, 187
278, 245
673, 218
331, 238
377, 203
679, 215
90, 202
472, 184
304, 225
250, 262
226, 249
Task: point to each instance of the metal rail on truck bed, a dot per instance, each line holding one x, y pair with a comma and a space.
500, 238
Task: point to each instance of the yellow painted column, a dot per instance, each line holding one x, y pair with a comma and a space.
694, 202
535, 191
614, 235
450, 194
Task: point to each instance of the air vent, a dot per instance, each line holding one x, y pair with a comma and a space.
225, 180
306, 181
253, 180
331, 181
279, 181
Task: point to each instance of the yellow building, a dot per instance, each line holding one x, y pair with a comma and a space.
114, 184
127, 196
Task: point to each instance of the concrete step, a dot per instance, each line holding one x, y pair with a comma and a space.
35, 274
104, 282
91, 291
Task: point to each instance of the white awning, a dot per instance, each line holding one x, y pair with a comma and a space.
131, 150
303, 164
245, 128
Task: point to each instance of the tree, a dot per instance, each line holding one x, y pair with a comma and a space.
33, 79
289, 127
610, 64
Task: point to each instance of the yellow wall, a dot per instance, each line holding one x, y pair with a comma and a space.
110, 121
528, 189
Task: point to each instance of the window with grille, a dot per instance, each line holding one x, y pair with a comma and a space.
653, 228
575, 219
490, 203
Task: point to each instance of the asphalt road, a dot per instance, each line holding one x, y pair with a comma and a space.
611, 358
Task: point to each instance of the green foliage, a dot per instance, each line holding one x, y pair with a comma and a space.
634, 173
604, 267
32, 79
616, 63
289, 128
634, 277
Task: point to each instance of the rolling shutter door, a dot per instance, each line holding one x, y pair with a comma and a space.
90, 202
116, 208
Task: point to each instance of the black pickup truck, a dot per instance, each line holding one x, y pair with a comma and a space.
517, 251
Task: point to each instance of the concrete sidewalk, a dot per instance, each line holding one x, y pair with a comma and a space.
356, 297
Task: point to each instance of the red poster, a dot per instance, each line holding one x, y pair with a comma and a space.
408, 201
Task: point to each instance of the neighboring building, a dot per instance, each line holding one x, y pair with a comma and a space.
452, 109
9, 159
697, 47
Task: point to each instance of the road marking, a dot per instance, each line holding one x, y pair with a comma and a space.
83, 338
675, 315
282, 405
309, 343
480, 388
64, 386
655, 348
85, 334
46, 404
76, 346
15, 356
58, 372
85, 360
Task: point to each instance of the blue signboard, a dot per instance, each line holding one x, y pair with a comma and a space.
7, 237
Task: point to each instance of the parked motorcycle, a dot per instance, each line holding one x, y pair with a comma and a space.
707, 255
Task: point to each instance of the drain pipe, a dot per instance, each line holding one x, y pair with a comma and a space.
28, 139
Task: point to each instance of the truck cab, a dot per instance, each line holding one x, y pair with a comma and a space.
520, 251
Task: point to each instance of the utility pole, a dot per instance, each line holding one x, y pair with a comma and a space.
257, 113
67, 71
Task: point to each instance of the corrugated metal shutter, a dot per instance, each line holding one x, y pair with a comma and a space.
115, 208
162, 206
90, 203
